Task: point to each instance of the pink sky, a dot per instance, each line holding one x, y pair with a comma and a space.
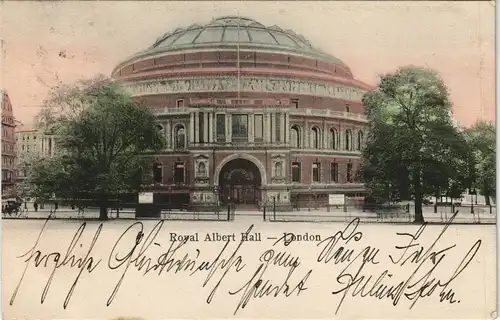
371, 37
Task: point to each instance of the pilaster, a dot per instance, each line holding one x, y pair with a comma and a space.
287, 127
168, 134
229, 131
283, 126
251, 127
324, 136
191, 127
306, 135
272, 128
210, 127
267, 129
197, 127
206, 138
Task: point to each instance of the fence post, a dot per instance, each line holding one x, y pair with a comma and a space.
228, 211
264, 213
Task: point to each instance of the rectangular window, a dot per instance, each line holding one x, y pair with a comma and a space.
157, 173
349, 172
296, 172
278, 127
316, 167
239, 128
179, 172
347, 108
180, 103
221, 128
295, 103
334, 172
258, 127
201, 127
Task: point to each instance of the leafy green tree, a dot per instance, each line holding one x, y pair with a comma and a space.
106, 144
482, 141
413, 147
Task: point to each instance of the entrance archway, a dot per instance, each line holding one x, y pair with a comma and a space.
240, 182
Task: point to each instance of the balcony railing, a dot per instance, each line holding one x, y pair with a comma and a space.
329, 113
171, 111
293, 112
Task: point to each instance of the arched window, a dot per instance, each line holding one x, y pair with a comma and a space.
360, 139
333, 139
315, 138
295, 136
348, 139
180, 137
278, 169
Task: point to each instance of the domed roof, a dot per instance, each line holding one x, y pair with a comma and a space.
231, 30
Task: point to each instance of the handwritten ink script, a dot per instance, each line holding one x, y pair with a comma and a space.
246, 267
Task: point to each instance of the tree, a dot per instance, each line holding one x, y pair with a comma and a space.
481, 138
413, 147
106, 143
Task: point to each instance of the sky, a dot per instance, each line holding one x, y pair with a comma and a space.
44, 43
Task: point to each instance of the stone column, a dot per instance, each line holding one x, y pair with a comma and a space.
206, 138
229, 121
287, 127
306, 135
168, 134
266, 127
272, 127
197, 127
325, 135
191, 127
210, 127
251, 133
283, 126
342, 138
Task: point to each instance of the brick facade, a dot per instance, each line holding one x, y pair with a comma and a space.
209, 144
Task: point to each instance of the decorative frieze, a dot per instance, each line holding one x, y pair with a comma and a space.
247, 84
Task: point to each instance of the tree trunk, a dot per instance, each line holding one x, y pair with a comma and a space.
436, 200
419, 217
486, 194
103, 208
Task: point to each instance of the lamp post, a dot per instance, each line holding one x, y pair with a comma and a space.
472, 191
216, 192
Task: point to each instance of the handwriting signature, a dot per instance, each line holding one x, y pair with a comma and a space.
356, 281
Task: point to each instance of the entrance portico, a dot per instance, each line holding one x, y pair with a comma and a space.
240, 178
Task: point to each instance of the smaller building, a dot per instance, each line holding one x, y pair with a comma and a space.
8, 147
33, 144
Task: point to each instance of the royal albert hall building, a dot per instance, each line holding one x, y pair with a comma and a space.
252, 114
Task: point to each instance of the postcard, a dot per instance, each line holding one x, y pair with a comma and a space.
290, 160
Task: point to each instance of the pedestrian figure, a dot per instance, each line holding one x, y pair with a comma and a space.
35, 206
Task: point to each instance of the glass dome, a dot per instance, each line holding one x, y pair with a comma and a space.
231, 30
